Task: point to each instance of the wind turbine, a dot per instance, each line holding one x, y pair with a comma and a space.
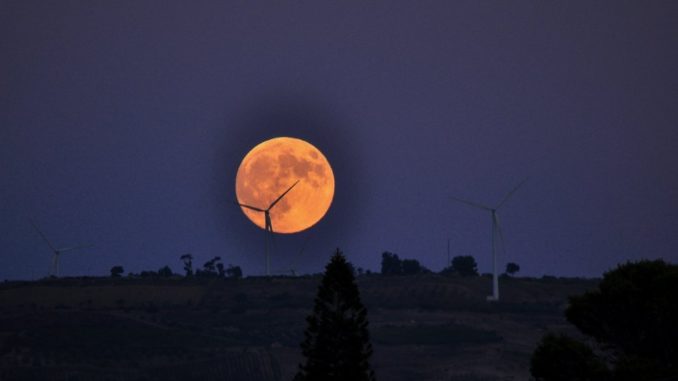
496, 231
292, 270
268, 224
54, 271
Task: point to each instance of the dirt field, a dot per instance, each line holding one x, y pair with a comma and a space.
424, 327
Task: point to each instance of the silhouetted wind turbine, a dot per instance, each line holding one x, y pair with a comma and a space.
54, 271
496, 231
268, 224
292, 270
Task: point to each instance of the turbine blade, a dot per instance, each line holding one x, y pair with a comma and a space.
283, 195
43, 236
473, 204
249, 207
509, 194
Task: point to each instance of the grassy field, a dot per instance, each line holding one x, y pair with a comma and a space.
424, 327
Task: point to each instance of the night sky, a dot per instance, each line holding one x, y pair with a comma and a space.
122, 125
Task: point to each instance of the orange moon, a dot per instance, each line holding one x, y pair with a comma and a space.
272, 167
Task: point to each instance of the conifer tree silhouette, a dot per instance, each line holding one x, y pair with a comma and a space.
337, 346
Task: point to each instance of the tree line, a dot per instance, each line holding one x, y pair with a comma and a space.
391, 264
462, 265
213, 268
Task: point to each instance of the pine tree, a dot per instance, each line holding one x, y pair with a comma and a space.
336, 344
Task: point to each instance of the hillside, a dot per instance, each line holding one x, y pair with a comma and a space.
424, 327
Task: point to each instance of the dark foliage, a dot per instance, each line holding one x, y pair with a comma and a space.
165, 272
411, 267
560, 358
512, 268
210, 269
634, 313
336, 345
148, 274
462, 265
391, 264
116, 271
188, 264
234, 272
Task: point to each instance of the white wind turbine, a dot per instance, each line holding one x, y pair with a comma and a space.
268, 224
496, 231
54, 270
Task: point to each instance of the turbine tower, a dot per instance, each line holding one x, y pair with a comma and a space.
268, 224
496, 232
54, 270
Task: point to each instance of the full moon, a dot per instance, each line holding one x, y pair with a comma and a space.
271, 168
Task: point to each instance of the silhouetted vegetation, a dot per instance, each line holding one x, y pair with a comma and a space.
165, 272
512, 268
391, 264
412, 267
336, 346
560, 358
116, 271
632, 315
462, 265
210, 269
234, 272
148, 274
188, 264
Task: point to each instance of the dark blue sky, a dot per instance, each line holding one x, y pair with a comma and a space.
122, 124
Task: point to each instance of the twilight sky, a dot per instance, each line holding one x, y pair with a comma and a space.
122, 125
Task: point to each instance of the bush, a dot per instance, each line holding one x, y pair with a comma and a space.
462, 265
116, 271
560, 358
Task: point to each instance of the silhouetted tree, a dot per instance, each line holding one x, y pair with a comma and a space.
465, 265
391, 264
336, 345
188, 264
632, 315
560, 358
116, 271
165, 272
210, 267
512, 268
634, 312
221, 270
411, 267
234, 272
148, 274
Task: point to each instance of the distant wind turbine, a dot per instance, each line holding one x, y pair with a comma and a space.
496, 231
292, 270
54, 270
268, 224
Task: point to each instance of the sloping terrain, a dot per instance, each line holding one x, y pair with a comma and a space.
424, 327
